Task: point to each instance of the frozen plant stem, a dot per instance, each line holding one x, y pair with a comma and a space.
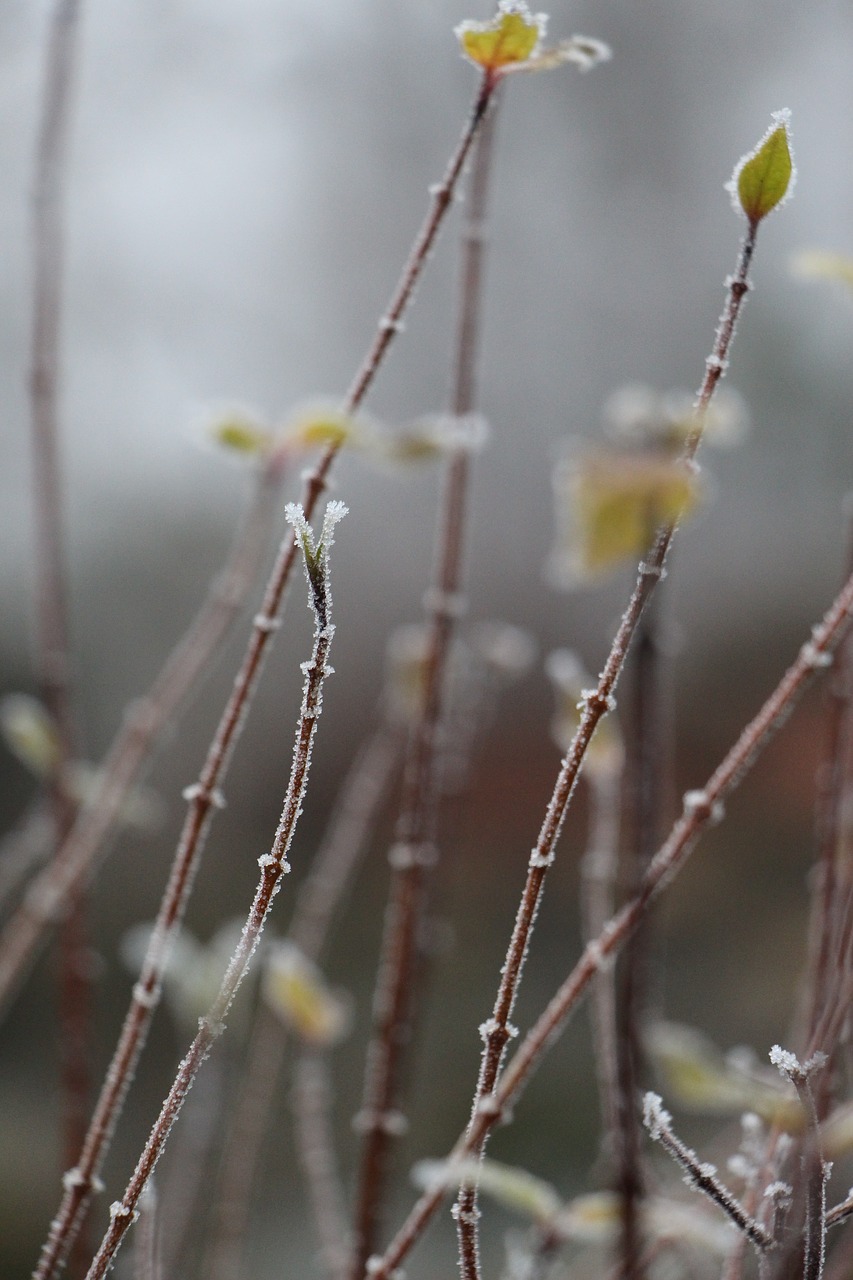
205, 795
497, 1031
644, 789
274, 866
701, 808
815, 1170
320, 895
702, 1177
826, 927
312, 1091
415, 848
54, 649
598, 875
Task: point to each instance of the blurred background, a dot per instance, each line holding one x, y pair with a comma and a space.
245, 182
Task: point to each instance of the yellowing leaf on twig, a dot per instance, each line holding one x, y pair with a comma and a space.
512, 36
609, 507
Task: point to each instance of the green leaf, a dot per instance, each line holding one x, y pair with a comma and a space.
764, 178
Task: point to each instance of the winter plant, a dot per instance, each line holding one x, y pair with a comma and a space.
785, 1122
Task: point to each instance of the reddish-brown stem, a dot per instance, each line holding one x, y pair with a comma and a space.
311, 1110
643, 776
414, 849
273, 866
702, 1177
319, 897
700, 809
598, 877
497, 1031
831, 896
54, 650
49, 273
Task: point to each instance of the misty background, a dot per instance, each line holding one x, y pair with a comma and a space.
245, 181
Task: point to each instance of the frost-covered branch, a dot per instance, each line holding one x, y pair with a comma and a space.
415, 845
699, 1175
274, 866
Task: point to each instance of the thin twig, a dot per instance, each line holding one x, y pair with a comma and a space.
274, 866
598, 876
497, 1031
53, 638
315, 1144
825, 925
701, 808
816, 1171
147, 1264
415, 848
643, 821
319, 897
702, 1177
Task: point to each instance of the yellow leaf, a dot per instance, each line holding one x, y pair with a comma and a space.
511, 37
698, 1076
605, 753
817, 264
511, 1186
609, 507
241, 435
296, 990
30, 733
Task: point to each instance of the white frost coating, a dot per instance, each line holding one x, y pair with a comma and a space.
267, 860
374, 1267
781, 118
540, 860
388, 325
145, 998
600, 959
589, 696
655, 1116
815, 657
786, 1063
716, 362
74, 1178
196, 791
698, 804
452, 604
489, 1106
264, 622
119, 1210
